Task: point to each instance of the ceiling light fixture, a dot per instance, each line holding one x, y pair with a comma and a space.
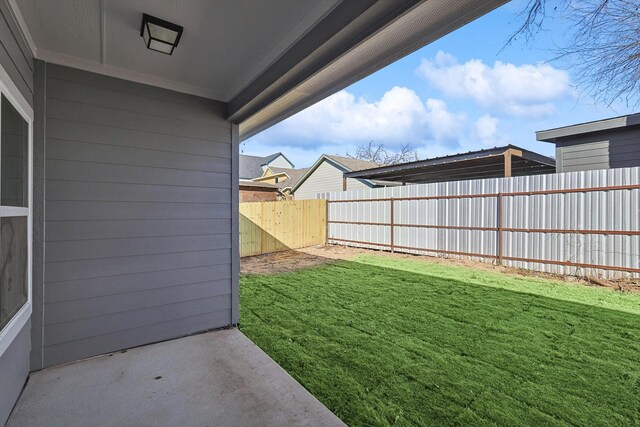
160, 35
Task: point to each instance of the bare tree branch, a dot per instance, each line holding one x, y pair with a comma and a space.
378, 154
602, 44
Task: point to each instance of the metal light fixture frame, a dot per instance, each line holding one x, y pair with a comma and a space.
148, 19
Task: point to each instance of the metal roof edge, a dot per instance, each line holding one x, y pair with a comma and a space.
552, 135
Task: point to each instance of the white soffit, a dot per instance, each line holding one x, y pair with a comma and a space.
225, 44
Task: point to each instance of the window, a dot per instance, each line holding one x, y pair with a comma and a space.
15, 211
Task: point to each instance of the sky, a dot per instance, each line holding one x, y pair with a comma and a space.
466, 91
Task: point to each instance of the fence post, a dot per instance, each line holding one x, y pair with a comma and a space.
392, 227
499, 228
326, 221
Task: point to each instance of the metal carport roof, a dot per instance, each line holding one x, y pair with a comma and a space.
490, 163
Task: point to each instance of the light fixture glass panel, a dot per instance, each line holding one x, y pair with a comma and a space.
14, 146
160, 46
162, 33
145, 35
13, 267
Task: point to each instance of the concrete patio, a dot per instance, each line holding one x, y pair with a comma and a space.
218, 378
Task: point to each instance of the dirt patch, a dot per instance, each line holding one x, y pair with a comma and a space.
281, 262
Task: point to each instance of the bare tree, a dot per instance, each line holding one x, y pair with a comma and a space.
602, 45
377, 153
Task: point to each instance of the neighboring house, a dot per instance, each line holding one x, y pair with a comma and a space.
252, 191
255, 166
495, 162
273, 175
327, 174
129, 159
283, 178
602, 144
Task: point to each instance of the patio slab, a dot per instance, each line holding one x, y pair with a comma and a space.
215, 379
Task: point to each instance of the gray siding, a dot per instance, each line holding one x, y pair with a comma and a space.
15, 56
18, 63
138, 215
601, 150
326, 178
280, 162
14, 369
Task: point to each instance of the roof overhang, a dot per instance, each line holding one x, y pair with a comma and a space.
475, 165
355, 40
258, 186
266, 60
268, 177
555, 135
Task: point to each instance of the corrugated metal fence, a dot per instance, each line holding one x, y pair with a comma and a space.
576, 223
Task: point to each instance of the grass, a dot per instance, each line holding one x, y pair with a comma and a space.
383, 341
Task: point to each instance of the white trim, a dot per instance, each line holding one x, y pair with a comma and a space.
6, 211
15, 325
121, 73
13, 95
22, 26
10, 90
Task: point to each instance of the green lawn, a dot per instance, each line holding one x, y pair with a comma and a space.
383, 341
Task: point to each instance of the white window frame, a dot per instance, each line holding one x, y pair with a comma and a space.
12, 329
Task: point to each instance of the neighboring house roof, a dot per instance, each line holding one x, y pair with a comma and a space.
346, 164
251, 166
554, 135
272, 157
487, 163
352, 164
247, 183
276, 170
294, 176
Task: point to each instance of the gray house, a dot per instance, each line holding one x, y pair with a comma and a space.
119, 176
254, 166
328, 174
602, 144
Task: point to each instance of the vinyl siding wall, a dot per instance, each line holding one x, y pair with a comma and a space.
326, 178
18, 63
138, 218
14, 369
15, 56
280, 162
602, 150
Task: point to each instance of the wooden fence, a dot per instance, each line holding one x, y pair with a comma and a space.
267, 227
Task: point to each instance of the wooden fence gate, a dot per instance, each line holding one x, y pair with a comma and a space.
267, 227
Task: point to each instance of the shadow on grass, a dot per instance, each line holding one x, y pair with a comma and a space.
381, 346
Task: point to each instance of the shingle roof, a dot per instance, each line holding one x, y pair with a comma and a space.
250, 167
294, 176
352, 164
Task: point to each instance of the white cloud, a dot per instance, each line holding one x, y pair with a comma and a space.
520, 90
340, 123
485, 130
397, 117
342, 120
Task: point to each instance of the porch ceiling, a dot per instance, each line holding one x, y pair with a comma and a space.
224, 46
266, 59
